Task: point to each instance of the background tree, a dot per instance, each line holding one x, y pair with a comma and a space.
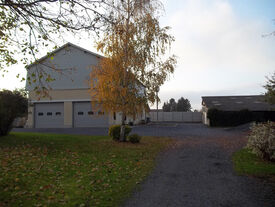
127, 79
270, 87
183, 105
12, 105
173, 104
166, 107
26, 27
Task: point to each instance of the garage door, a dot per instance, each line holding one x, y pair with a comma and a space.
49, 115
85, 115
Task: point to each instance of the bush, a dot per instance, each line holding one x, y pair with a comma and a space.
114, 131
229, 118
235, 118
12, 105
134, 138
261, 140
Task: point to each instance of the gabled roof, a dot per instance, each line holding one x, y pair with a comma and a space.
237, 103
62, 47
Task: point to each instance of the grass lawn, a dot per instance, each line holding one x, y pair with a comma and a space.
246, 163
69, 170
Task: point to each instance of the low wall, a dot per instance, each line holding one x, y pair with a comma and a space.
176, 116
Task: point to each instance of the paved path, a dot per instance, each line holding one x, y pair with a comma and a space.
199, 173
153, 129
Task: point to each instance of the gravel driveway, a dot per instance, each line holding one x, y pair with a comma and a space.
198, 172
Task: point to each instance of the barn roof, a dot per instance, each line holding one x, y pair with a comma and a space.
237, 103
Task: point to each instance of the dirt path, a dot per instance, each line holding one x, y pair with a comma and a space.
198, 172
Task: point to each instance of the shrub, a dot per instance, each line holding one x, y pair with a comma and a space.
235, 118
134, 138
261, 140
12, 105
114, 131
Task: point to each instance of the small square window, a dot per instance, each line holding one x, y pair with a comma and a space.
80, 113
40, 114
58, 113
100, 112
90, 113
49, 113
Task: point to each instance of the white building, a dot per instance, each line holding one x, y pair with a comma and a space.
68, 103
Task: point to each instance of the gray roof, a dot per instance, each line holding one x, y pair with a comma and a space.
236, 103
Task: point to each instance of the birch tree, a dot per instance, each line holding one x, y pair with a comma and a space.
134, 46
29, 26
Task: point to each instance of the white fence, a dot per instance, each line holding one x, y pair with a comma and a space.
176, 116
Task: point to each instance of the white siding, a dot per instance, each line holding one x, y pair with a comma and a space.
70, 67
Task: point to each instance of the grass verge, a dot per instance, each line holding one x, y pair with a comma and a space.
69, 170
247, 163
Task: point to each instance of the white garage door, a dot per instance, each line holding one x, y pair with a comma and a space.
87, 116
49, 115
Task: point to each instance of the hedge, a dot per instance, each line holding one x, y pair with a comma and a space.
235, 118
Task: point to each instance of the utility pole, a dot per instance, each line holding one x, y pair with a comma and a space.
157, 90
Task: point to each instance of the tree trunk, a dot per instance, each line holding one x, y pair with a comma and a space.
122, 137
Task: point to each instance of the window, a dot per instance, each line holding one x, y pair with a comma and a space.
90, 113
40, 114
58, 113
80, 113
49, 113
100, 112
114, 115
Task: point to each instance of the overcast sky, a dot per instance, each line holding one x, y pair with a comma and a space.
220, 47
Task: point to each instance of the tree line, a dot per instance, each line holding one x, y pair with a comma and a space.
183, 104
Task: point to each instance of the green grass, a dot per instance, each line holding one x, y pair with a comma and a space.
65, 170
247, 163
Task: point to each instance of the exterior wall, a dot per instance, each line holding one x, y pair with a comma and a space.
135, 121
68, 114
30, 120
70, 67
194, 117
205, 120
73, 94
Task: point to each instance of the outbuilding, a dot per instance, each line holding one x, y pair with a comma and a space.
252, 103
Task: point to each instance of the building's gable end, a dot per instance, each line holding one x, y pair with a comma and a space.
67, 68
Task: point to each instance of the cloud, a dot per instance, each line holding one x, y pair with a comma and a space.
218, 49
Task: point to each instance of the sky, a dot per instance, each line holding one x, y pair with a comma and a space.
221, 45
